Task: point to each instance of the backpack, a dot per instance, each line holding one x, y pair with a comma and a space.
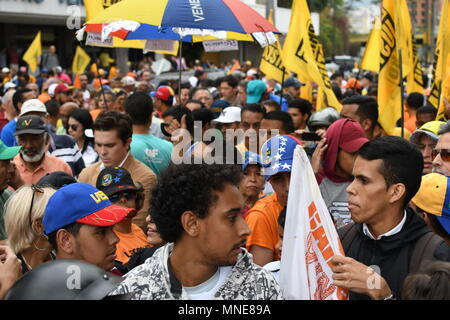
424, 248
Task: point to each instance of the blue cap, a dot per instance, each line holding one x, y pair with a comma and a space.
251, 158
82, 203
277, 154
292, 82
255, 90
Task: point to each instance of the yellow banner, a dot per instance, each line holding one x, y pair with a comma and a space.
302, 52
33, 53
371, 58
80, 61
94, 7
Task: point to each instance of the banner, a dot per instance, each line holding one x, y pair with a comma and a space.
80, 61
271, 64
33, 53
302, 52
371, 58
220, 45
310, 239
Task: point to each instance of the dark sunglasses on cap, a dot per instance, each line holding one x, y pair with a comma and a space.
445, 154
129, 196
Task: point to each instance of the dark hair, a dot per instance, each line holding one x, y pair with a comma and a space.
177, 113
18, 97
367, 107
140, 108
230, 80
271, 103
303, 105
52, 107
402, 162
194, 90
432, 282
337, 91
428, 109
84, 117
204, 115
114, 120
253, 107
198, 73
282, 218
284, 117
73, 228
188, 187
415, 100
205, 83
195, 101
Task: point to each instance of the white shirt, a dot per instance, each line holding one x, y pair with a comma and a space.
207, 289
395, 230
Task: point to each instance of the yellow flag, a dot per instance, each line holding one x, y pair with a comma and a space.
80, 61
94, 7
271, 64
33, 53
441, 71
302, 52
371, 58
389, 93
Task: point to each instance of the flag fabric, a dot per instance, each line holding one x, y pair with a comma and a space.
303, 54
80, 61
389, 91
33, 53
271, 64
93, 7
371, 58
310, 239
441, 61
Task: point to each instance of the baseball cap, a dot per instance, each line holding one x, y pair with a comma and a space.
251, 158
431, 129
30, 124
352, 83
277, 154
434, 197
128, 81
229, 115
114, 180
292, 82
57, 180
164, 93
6, 152
5, 69
33, 105
61, 88
8, 85
352, 136
82, 203
368, 76
255, 90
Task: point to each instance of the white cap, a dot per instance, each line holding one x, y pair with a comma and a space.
51, 89
128, 81
5, 70
33, 105
229, 115
8, 85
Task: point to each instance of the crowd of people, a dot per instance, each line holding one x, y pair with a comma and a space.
177, 188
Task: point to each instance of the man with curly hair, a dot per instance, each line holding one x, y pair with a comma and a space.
197, 209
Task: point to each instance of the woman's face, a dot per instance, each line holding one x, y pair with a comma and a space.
75, 129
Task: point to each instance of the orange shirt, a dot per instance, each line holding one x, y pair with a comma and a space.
49, 164
262, 220
130, 242
410, 124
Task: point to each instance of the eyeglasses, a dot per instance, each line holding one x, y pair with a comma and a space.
445, 154
35, 189
129, 196
74, 127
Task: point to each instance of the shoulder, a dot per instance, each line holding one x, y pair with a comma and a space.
138, 169
442, 252
87, 172
264, 205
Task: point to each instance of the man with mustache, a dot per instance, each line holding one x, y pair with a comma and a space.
33, 161
441, 162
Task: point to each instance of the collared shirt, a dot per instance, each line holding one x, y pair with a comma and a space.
48, 165
102, 165
395, 230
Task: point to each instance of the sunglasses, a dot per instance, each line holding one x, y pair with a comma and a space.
445, 154
129, 196
35, 189
74, 127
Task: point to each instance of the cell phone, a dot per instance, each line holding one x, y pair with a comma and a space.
310, 136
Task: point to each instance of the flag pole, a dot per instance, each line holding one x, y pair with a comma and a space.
401, 93
179, 76
282, 86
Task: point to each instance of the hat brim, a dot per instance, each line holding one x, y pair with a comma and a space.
29, 131
253, 99
106, 217
445, 223
9, 153
416, 136
353, 145
270, 171
116, 189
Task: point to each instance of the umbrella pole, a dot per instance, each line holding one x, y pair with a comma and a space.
181, 68
282, 82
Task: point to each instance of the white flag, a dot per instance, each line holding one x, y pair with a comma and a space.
310, 239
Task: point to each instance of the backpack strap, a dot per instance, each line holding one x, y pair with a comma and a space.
347, 233
424, 250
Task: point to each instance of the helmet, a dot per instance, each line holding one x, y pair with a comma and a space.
64, 279
323, 118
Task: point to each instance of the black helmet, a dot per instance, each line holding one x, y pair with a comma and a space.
64, 279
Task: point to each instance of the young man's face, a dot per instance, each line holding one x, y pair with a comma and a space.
298, 118
426, 146
223, 231
227, 92
295, 92
184, 95
368, 193
110, 148
280, 184
96, 245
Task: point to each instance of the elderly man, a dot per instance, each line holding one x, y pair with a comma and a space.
441, 162
33, 161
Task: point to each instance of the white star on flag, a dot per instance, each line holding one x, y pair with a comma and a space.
281, 149
285, 166
283, 143
277, 157
276, 166
283, 139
